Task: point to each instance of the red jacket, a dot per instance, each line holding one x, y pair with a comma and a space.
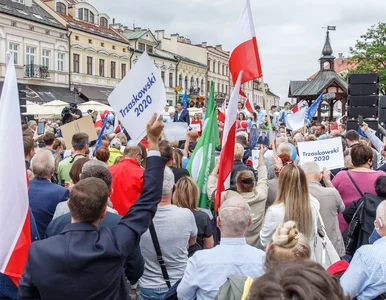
127, 184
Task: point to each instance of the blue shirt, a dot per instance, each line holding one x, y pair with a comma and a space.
208, 269
366, 276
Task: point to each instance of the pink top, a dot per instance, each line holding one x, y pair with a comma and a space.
364, 180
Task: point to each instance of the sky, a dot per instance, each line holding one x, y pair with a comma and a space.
289, 33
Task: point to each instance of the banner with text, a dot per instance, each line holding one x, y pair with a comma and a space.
326, 153
138, 96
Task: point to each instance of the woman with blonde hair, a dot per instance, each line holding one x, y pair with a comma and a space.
287, 244
293, 202
186, 195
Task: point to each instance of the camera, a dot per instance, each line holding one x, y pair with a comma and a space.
67, 114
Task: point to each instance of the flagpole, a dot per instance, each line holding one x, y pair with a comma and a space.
268, 116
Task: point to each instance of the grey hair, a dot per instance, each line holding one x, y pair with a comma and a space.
43, 164
168, 183
284, 148
235, 214
32, 122
281, 140
381, 211
311, 168
299, 137
91, 163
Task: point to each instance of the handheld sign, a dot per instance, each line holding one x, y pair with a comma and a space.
138, 96
175, 131
326, 153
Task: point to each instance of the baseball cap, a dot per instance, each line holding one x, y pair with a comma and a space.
116, 143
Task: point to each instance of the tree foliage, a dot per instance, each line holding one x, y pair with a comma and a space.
369, 53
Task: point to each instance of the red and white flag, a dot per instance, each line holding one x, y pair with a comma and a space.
221, 114
298, 106
116, 124
15, 233
245, 54
99, 121
228, 143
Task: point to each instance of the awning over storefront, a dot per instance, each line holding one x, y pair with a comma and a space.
93, 93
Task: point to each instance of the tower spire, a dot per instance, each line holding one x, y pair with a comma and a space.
327, 53
327, 49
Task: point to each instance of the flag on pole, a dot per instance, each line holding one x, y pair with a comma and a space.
116, 124
221, 114
98, 122
15, 235
298, 105
245, 54
314, 107
296, 120
228, 143
203, 158
185, 101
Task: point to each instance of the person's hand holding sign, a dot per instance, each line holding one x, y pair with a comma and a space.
154, 129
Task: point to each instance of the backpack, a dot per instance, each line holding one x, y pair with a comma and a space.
235, 288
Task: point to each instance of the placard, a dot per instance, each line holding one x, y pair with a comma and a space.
138, 96
175, 131
326, 153
85, 125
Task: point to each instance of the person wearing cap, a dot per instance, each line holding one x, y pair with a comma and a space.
76, 113
115, 150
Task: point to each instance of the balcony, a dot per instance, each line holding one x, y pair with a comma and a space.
36, 72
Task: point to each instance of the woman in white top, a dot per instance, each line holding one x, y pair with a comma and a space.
293, 203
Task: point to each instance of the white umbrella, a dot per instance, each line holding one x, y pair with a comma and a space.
93, 105
35, 109
54, 107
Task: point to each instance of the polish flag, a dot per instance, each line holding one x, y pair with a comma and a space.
228, 143
116, 124
221, 114
98, 122
298, 106
15, 235
245, 54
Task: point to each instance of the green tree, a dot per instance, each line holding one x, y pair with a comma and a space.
369, 54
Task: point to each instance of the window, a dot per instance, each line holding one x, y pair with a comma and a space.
180, 81
13, 24
197, 83
218, 68
103, 22
91, 17
171, 80
218, 87
46, 58
61, 8
113, 69
214, 67
90, 41
30, 55
191, 82
89, 65
226, 89
202, 86
80, 13
102, 67
226, 70
60, 62
113, 47
163, 76
13, 51
77, 38
102, 44
149, 49
19, 1
186, 82
141, 47
75, 63
223, 69
222, 88
123, 71
86, 14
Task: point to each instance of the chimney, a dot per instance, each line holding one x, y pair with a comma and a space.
174, 37
113, 20
137, 29
219, 47
160, 34
204, 44
340, 59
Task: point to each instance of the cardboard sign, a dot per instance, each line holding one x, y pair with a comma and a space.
196, 127
175, 131
138, 96
84, 124
326, 153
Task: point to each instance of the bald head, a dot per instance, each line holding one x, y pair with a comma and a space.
234, 217
132, 151
312, 171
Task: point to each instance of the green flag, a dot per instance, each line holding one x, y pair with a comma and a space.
202, 161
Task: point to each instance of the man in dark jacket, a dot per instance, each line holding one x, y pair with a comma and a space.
84, 262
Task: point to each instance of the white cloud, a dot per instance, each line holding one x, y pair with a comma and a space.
289, 33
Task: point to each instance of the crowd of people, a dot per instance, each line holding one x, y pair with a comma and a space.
125, 217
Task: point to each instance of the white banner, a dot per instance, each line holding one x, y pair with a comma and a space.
138, 96
326, 153
175, 131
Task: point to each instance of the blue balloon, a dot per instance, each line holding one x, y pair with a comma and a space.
294, 152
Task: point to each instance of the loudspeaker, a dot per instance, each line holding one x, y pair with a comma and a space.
353, 124
365, 112
363, 101
382, 109
363, 78
363, 89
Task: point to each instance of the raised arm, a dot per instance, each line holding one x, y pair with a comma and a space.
137, 220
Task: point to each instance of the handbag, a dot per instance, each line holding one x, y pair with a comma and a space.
351, 234
172, 293
324, 251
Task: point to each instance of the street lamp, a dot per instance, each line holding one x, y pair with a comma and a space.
76, 90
